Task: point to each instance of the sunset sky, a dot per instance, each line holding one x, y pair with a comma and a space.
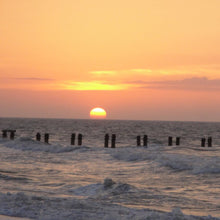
142, 59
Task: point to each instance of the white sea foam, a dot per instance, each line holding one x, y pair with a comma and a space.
197, 164
109, 187
27, 144
50, 208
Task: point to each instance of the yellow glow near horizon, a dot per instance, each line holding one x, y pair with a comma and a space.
93, 85
98, 113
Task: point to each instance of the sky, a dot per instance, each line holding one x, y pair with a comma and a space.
139, 60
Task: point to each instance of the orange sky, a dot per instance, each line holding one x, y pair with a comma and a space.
143, 59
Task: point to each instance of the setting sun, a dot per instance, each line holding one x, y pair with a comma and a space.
97, 113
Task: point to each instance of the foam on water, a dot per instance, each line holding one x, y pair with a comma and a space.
102, 190
28, 144
164, 156
52, 208
196, 163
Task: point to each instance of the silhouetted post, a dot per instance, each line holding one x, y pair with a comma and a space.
138, 140
203, 142
73, 137
79, 139
113, 141
170, 141
145, 140
177, 141
4, 133
12, 134
38, 136
106, 140
209, 141
46, 138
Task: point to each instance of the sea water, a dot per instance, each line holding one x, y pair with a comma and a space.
62, 181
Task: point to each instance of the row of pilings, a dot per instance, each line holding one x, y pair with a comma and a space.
72, 141
11, 133
77, 139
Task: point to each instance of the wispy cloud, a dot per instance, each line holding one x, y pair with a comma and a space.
32, 83
92, 85
141, 70
121, 72
34, 79
195, 83
103, 72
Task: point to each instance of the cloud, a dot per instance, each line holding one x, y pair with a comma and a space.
104, 72
141, 70
195, 83
92, 86
126, 71
34, 79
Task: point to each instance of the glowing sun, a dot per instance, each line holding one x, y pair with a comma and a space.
97, 113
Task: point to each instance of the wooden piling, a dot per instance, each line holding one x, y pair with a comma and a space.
106, 140
170, 141
209, 141
46, 138
38, 136
145, 140
177, 141
73, 138
4, 134
138, 140
203, 142
79, 139
12, 134
113, 141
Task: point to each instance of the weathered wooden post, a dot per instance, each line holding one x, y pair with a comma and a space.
79, 139
46, 138
106, 140
38, 136
203, 142
138, 140
113, 141
209, 141
12, 134
73, 137
170, 141
145, 140
177, 141
4, 133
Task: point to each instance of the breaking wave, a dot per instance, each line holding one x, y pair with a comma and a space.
27, 144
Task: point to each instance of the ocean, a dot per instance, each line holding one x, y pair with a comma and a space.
57, 180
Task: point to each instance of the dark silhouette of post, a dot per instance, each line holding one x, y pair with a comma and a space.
106, 140
138, 140
177, 141
170, 141
113, 141
79, 139
203, 142
4, 133
209, 141
46, 138
73, 138
12, 134
145, 140
38, 136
